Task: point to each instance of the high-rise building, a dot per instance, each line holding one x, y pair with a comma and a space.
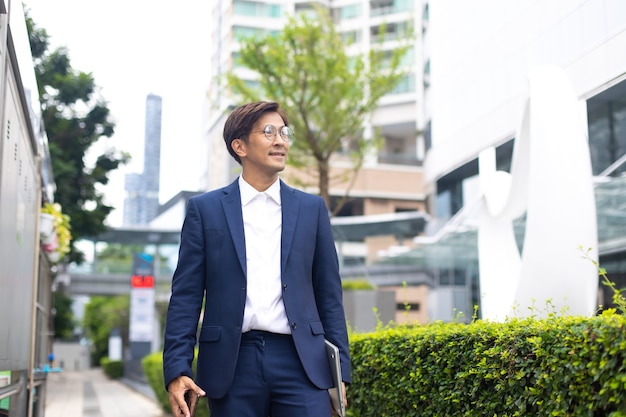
141, 204
390, 181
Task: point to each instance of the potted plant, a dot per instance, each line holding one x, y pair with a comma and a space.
56, 242
46, 225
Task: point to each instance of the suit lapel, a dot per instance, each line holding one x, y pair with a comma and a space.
231, 203
290, 207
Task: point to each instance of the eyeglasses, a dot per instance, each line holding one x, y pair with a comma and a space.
286, 133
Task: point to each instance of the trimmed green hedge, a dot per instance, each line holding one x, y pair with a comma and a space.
112, 369
153, 369
566, 366
356, 284
560, 366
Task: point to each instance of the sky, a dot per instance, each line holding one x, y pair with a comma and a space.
134, 48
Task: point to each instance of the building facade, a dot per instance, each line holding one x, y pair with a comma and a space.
381, 185
481, 54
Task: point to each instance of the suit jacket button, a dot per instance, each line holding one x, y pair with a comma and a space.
293, 325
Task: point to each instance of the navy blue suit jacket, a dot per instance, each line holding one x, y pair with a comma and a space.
212, 268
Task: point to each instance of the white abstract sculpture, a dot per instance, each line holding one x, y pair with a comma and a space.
550, 181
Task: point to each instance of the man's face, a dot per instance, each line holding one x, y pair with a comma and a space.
266, 155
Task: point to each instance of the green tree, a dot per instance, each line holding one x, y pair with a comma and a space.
103, 314
75, 117
64, 321
327, 93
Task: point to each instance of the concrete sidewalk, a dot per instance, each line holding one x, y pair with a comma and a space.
92, 394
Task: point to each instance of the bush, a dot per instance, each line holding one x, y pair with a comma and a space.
560, 366
153, 370
568, 366
112, 369
356, 284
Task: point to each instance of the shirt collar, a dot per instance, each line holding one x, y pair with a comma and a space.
248, 193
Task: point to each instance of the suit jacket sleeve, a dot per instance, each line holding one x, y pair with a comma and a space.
186, 299
328, 291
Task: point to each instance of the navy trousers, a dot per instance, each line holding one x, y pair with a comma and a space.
270, 382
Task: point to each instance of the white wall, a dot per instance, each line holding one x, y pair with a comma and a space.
71, 356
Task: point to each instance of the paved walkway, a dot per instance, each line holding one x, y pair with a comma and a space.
91, 394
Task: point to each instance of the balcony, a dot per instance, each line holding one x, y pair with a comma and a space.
398, 159
395, 7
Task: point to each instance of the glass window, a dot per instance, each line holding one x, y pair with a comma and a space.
351, 37
443, 202
379, 8
607, 134
459, 277
407, 60
444, 277
242, 32
405, 85
236, 59
392, 31
253, 8
450, 189
307, 10
404, 5
350, 12
245, 8
504, 156
386, 61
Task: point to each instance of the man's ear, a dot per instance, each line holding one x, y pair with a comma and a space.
239, 147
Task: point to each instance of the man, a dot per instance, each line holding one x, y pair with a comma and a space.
261, 256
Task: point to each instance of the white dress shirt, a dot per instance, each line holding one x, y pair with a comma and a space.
262, 222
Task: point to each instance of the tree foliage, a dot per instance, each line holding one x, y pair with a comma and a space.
63, 316
75, 117
327, 93
103, 314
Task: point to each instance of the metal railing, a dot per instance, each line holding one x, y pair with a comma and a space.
382, 11
10, 390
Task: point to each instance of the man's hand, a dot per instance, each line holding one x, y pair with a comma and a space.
345, 399
176, 394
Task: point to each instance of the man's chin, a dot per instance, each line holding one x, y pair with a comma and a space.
280, 168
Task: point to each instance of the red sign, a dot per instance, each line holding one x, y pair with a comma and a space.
142, 281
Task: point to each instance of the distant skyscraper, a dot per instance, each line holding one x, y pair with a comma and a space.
142, 190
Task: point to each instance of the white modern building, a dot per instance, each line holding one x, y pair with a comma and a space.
481, 54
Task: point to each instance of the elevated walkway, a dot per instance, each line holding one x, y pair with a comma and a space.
112, 278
